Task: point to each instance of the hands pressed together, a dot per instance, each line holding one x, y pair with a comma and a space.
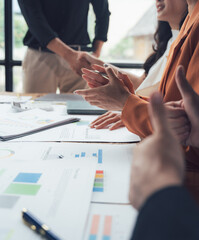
111, 95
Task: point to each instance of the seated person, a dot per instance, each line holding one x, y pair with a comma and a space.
166, 33
166, 209
116, 95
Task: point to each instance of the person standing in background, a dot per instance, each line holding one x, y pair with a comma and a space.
57, 40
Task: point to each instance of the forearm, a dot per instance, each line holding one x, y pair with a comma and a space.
97, 47
135, 116
36, 21
60, 48
169, 213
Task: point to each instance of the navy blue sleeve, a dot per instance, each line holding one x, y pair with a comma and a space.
36, 21
169, 214
101, 9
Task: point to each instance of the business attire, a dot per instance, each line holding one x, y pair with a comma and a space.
184, 52
152, 81
169, 214
43, 70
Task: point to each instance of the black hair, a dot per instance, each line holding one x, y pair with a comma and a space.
162, 35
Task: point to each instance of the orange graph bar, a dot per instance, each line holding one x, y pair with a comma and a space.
95, 224
107, 225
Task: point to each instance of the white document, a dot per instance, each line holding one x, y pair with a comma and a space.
14, 124
10, 99
106, 222
112, 178
57, 194
81, 132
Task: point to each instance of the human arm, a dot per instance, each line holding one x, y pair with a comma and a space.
47, 37
170, 213
111, 120
166, 210
189, 103
102, 13
111, 96
96, 80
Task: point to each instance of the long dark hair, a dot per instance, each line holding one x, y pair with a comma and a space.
162, 35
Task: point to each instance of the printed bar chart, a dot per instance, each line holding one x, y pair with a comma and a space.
99, 155
99, 181
107, 228
23, 184
94, 227
101, 227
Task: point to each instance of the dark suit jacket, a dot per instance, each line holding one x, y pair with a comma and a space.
169, 214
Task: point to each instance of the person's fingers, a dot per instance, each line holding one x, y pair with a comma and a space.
106, 122
181, 130
175, 104
103, 118
99, 118
157, 113
127, 82
91, 81
178, 122
94, 76
86, 92
174, 112
117, 125
182, 83
112, 75
98, 68
99, 121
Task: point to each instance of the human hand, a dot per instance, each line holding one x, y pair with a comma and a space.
113, 120
158, 160
111, 96
94, 79
190, 103
79, 60
178, 120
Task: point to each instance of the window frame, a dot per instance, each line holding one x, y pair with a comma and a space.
9, 62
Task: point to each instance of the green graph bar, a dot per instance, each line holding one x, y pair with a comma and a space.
98, 184
22, 189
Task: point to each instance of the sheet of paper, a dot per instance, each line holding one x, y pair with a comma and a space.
22, 122
9, 99
58, 194
106, 222
81, 132
111, 183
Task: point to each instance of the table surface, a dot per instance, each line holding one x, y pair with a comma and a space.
192, 172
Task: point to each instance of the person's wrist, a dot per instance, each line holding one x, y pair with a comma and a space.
69, 54
124, 98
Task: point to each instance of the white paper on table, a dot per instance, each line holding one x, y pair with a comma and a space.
10, 99
14, 124
106, 221
81, 132
58, 194
113, 159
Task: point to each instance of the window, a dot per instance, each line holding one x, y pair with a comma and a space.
130, 37
2, 46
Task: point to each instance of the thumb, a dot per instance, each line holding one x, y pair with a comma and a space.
157, 113
111, 74
182, 83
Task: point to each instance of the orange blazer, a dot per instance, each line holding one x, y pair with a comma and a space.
184, 51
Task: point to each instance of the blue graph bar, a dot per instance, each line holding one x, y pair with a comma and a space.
83, 154
76, 155
100, 156
93, 237
94, 154
96, 189
27, 177
106, 238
